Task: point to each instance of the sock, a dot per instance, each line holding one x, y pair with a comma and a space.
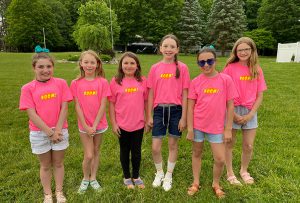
171, 166
159, 168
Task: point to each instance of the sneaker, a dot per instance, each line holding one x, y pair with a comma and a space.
167, 185
95, 185
83, 186
48, 199
60, 198
158, 179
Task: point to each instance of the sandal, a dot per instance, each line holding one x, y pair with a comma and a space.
128, 183
234, 181
247, 178
48, 199
60, 198
218, 192
193, 189
139, 183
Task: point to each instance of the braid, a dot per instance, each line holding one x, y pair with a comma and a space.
177, 69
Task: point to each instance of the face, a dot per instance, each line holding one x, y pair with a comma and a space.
169, 49
129, 66
89, 64
243, 52
43, 69
208, 70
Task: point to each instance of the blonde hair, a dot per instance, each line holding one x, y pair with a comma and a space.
99, 72
41, 55
253, 60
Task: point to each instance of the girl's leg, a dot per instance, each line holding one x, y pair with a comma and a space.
45, 171
248, 141
196, 161
58, 166
218, 150
97, 140
173, 152
136, 145
88, 148
228, 154
124, 142
156, 150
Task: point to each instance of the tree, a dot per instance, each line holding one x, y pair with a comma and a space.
262, 38
92, 30
281, 17
191, 25
226, 23
26, 20
3, 6
251, 10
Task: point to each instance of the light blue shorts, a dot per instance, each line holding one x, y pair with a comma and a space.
252, 124
40, 142
97, 131
212, 138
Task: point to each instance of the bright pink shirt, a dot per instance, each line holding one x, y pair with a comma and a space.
89, 94
166, 88
247, 88
211, 95
46, 98
129, 99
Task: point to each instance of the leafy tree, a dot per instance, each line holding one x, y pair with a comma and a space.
73, 6
206, 6
3, 6
281, 17
93, 28
226, 23
251, 10
191, 25
26, 20
262, 38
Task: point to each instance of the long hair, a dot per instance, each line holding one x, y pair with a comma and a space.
171, 36
120, 75
253, 60
99, 72
41, 55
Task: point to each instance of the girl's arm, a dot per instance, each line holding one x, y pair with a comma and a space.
190, 119
182, 122
254, 109
112, 116
149, 110
35, 118
81, 118
229, 121
100, 113
61, 119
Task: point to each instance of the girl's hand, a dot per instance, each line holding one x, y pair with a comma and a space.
238, 119
147, 128
90, 131
190, 135
227, 135
150, 122
116, 130
247, 117
57, 137
181, 125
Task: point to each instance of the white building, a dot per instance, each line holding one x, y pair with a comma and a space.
288, 52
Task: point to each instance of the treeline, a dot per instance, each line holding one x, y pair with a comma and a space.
70, 25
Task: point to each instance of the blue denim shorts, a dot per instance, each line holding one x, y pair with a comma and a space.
252, 124
166, 117
212, 138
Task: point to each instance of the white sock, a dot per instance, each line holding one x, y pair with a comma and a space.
159, 168
171, 166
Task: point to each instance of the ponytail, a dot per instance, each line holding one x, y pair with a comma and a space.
177, 69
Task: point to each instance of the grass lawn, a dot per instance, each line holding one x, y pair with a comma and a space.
275, 165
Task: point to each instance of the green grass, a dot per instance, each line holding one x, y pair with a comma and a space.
275, 165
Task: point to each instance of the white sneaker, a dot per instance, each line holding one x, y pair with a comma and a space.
167, 185
158, 179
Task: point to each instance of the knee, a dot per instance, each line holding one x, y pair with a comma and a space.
58, 164
156, 150
219, 161
46, 167
173, 147
88, 157
197, 153
248, 147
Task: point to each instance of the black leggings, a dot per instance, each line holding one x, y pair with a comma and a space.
131, 142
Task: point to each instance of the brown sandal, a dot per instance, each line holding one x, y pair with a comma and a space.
193, 189
218, 192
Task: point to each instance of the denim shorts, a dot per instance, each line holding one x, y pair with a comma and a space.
97, 131
212, 138
166, 117
252, 124
40, 142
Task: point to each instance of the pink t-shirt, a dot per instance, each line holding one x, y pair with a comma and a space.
46, 98
89, 94
247, 88
166, 88
129, 99
211, 95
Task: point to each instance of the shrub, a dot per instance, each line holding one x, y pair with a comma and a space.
73, 58
105, 58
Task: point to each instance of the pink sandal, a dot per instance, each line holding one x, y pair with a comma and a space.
234, 181
247, 178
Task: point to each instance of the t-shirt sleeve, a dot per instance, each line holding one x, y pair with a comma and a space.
192, 92
261, 82
73, 88
112, 97
186, 77
106, 89
66, 92
26, 99
231, 90
150, 80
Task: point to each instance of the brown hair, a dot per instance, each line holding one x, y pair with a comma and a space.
171, 36
253, 60
99, 72
207, 50
41, 55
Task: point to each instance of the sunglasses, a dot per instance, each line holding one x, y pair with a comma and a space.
208, 61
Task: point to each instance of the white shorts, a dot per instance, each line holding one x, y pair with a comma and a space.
97, 131
40, 142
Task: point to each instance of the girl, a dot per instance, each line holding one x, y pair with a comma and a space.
210, 105
46, 101
249, 80
127, 105
168, 84
90, 92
